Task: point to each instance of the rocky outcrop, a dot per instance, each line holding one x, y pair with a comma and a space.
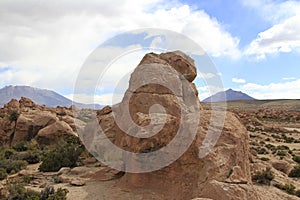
225, 171
166, 79
24, 120
53, 133
28, 125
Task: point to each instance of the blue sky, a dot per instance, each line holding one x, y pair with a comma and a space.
255, 45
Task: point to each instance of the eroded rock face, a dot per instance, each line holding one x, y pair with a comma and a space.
28, 125
226, 168
29, 119
53, 133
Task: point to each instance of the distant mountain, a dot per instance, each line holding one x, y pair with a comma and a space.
228, 95
39, 96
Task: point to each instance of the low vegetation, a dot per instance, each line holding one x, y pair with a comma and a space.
17, 191
65, 154
263, 177
295, 173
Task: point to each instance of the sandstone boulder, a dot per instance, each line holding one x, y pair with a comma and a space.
53, 133
29, 123
282, 166
159, 105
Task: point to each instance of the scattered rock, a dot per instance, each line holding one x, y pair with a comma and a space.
77, 182
64, 170
282, 166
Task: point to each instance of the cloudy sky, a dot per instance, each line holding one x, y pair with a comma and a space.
254, 44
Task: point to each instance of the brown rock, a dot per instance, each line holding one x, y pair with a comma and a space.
28, 124
53, 133
27, 103
12, 105
64, 170
282, 166
64, 179
77, 182
225, 169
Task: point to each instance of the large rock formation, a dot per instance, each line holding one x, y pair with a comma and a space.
24, 120
166, 79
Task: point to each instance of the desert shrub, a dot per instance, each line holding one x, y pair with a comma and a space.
45, 193
261, 150
65, 154
60, 194
28, 178
3, 174
282, 147
268, 139
296, 159
30, 157
8, 153
26, 146
13, 166
281, 153
275, 136
264, 177
13, 115
295, 172
297, 193
264, 159
17, 191
289, 188
289, 139
270, 146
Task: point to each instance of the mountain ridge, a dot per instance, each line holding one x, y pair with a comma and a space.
228, 95
39, 96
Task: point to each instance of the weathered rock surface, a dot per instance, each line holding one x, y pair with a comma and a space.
225, 170
22, 121
53, 133
28, 125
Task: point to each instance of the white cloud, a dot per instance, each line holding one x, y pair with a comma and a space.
283, 36
207, 75
281, 90
105, 99
288, 78
238, 80
45, 42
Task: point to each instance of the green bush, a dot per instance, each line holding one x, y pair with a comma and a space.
64, 154
47, 192
26, 145
289, 188
60, 194
295, 172
32, 157
281, 153
13, 166
282, 147
3, 174
296, 159
297, 193
261, 150
17, 191
264, 159
8, 153
264, 177
13, 115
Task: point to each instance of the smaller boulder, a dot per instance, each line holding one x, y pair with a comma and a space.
77, 182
